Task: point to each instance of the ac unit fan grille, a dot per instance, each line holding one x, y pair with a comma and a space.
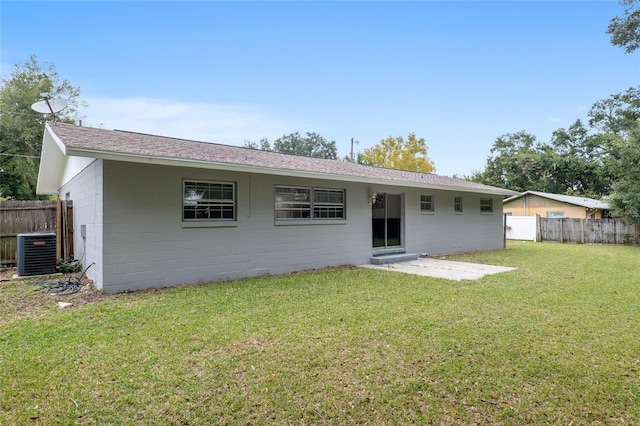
36, 254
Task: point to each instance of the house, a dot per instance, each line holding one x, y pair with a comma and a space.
531, 203
152, 211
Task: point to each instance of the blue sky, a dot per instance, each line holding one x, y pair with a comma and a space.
458, 74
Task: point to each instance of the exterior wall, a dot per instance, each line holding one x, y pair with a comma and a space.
531, 205
146, 244
85, 189
139, 240
446, 232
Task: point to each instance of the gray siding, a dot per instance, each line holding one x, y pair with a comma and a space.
145, 244
85, 189
136, 238
445, 232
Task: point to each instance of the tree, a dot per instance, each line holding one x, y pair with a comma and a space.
398, 153
21, 128
625, 31
517, 162
625, 198
310, 145
575, 162
264, 144
618, 113
582, 161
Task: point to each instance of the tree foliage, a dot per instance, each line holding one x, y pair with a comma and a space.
21, 128
399, 153
617, 114
625, 31
309, 145
263, 144
625, 198
574, 162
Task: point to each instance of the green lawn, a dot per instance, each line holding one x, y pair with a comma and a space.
556, 341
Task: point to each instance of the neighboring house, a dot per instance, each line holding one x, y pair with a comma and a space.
531, 203
154, 211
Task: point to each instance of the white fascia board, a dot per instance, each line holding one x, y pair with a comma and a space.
52, 164
248, 168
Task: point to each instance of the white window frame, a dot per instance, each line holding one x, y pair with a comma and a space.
458, 206
486, 208
311, 211
429, 204
221, 204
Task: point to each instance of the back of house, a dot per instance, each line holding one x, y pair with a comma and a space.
152, 211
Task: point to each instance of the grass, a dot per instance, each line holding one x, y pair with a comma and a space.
556, 341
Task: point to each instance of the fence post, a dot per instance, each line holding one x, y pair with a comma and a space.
561, 231
504, 230
59, 229
538, 229
68, 232
582, 231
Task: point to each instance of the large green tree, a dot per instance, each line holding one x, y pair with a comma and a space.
575, 161
21, 128
620, 115
399, 153
622, 124
625, 198
517, 162
309, 145
625, 30
617, 114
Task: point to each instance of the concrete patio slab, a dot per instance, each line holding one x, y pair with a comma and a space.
448, 269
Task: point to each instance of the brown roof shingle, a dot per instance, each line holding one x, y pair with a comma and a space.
89, 140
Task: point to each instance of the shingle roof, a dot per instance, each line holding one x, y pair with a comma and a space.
589, 203
101, 143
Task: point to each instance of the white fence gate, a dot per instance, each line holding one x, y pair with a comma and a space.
521, 228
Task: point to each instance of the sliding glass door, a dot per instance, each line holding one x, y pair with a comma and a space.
387, 221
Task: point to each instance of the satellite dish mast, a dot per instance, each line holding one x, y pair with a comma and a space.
49, 106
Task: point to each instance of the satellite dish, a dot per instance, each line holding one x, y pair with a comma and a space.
49, 106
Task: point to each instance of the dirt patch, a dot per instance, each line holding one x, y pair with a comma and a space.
28, 297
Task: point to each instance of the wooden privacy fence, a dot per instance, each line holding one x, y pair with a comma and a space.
581, 231
21, 217
588, 231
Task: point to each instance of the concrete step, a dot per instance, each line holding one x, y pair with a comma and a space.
392, 258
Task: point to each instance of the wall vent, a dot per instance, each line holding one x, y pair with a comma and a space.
36, 254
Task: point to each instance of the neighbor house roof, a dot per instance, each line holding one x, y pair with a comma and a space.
64, 141
589, 203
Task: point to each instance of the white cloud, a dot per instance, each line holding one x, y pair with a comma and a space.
230, 124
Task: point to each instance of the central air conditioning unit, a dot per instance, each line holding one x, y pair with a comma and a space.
36, 254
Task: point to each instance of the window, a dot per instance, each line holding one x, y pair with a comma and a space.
300, 203
293, 203
486, 205
555, 215
328, 204
205, 201
426, 204
457, 204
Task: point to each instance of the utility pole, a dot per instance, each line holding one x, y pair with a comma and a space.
352, 142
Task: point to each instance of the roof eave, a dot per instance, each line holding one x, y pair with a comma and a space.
53, 159
249, 168
551, 197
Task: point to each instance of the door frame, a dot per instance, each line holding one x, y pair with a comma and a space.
383, 197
